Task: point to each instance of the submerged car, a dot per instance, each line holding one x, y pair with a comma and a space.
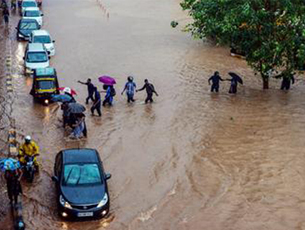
81, 184
33, 13
25, 28
36, 56
42, 36
45, 85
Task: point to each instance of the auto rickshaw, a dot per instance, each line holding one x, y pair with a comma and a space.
45, 85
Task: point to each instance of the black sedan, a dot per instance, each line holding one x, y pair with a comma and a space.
81, 184
25, 27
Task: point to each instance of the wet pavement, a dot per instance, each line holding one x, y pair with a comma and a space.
192, 160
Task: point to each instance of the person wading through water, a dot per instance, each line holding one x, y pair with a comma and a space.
97, 103
130, 87
286, 82
91, 89
13, 177
215, 82
150, 89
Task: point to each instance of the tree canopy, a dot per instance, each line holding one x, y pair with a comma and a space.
271, 33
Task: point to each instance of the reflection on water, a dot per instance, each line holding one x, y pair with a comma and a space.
192, 159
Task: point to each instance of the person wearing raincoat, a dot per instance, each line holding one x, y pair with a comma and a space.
28, 148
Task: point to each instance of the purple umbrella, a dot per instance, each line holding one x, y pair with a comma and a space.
107, 80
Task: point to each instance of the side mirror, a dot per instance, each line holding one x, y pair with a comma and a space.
55, 178
53, 41
48, 52
23, 58
16, 28
107, 176
41, 15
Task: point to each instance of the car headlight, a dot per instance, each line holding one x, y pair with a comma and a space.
64, 203
103, 201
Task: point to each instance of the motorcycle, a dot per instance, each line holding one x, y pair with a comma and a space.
30, 168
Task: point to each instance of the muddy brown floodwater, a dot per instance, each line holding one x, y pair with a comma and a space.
192, 160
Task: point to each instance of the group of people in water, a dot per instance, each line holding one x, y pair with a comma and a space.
216, 78
77, 120
130, 89
235, 79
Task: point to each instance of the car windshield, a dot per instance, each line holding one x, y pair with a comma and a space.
32, 13
84, 174
28, 4
42, 39
46, 84
37, 57
28, 26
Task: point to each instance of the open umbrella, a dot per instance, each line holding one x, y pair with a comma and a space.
61, 98
107, 80
9, 164
73, 92
76, 108
236, 77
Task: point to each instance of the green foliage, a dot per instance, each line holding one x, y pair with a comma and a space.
270, 32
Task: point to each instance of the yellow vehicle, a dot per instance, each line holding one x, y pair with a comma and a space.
45, 85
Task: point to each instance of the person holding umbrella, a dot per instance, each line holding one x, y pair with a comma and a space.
97, 103
91, 89
110, 93
150, 89
13, 174
130, 87
109, 89
235, 79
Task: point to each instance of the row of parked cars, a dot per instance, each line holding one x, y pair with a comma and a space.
39, 50
81, 182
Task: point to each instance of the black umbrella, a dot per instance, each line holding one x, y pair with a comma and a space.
236, 77
76, 108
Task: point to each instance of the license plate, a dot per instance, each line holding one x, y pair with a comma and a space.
84, 214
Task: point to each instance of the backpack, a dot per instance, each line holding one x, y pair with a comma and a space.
112, 92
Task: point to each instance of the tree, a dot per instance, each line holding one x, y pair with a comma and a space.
270, 32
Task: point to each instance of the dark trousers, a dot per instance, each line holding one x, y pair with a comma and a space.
149, 98
96, 107
215, 88
130, 98
5, 18
233, 89
13, 189
90, 96
285, 85
107, 101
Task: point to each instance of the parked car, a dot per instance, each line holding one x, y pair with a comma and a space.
42, 36
25, 27
27, 3
36, 56
45, 85
81, 184
33, 13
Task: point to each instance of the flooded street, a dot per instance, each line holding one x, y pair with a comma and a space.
192, 160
